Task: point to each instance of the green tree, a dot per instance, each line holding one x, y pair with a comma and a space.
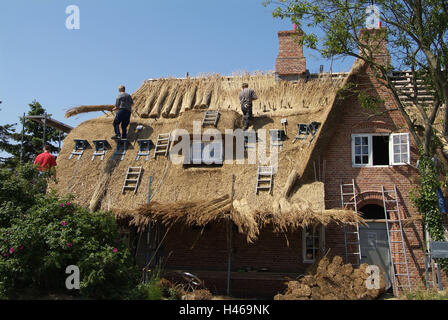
417, 38
32, 139
5, 145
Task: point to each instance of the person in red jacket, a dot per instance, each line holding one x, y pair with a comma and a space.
46, 161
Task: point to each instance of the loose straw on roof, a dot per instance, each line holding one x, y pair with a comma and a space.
84, 109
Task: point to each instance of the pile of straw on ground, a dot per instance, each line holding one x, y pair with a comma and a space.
333, 281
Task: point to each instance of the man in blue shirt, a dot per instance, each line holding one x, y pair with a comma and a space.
124, 105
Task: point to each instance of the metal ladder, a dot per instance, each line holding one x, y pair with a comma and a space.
80, 147
264, 179
211, 117
277, 137
351, 234
162, 144
303, 132
132, 177
100, 148
250, 139
145, 149
122, 146
397, 249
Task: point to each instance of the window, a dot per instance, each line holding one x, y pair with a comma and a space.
380, 150
206, 153
362, 150
370, 150
400, 148
312, 243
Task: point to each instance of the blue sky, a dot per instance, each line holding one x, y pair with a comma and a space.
126, 42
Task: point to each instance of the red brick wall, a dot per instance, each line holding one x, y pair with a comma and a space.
290, 59
354, 119
206, 254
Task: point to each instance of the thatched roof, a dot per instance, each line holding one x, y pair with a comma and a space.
198, 195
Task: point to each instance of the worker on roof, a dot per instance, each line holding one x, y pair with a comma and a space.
46, 162
246, 97
124, 105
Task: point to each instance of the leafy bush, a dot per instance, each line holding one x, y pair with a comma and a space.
41, 235
426, 201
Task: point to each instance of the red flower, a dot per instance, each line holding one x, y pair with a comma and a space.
11, 250
64, 223
69, 244
115, 250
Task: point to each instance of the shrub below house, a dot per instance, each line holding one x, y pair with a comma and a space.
41, 235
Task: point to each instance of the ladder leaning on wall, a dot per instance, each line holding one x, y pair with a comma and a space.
397, 249
351, 233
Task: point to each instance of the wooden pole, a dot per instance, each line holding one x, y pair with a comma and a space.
148, 237
230, 227
23, 133
45, 130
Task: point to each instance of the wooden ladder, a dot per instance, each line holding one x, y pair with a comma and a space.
132, 179
264, 179
162, 144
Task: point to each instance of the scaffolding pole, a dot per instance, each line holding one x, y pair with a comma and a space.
21, 142
45, 130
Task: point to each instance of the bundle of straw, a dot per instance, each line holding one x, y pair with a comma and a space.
155, 112
199, 94
177, 103
207, 97
84, 109
170, 101
153, 94
189, 97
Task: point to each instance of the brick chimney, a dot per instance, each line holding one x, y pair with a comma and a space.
290, 63
376, 40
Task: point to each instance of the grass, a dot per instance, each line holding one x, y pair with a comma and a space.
421, 293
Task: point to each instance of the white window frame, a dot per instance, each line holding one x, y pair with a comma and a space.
391, 149
370, 153
321, 235
370, 149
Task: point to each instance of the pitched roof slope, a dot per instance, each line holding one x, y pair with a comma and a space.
198, 195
